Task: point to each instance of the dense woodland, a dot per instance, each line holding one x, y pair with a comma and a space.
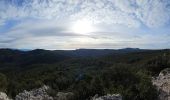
84, 72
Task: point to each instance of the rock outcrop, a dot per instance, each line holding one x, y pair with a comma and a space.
3, 96
108, 97
162, 82
37, 94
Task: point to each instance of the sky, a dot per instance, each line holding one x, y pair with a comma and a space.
93, 24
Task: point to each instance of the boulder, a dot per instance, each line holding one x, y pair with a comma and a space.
162, 82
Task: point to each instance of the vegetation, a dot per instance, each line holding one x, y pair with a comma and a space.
126, 72
3, 83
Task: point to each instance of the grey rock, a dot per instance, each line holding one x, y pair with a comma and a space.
162, 82
3, 96
36, 94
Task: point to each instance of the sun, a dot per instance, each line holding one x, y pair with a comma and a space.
82, 27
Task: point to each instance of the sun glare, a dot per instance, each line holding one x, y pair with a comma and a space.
82, 27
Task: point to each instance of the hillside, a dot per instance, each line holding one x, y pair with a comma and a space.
84, 72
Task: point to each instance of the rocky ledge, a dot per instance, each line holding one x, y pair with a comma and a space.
162, 82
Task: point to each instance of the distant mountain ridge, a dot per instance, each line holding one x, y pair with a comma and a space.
53, 56
72, 53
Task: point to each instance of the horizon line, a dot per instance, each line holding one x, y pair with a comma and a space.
20, 49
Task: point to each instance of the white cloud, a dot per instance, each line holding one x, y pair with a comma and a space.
152, 13
45, 23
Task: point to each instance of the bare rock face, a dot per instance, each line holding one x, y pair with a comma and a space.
37, 94
162, 82
3, 96
108, 97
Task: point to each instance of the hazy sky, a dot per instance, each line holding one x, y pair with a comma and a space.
71, 24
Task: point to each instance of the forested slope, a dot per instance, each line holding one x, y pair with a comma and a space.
128, 73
